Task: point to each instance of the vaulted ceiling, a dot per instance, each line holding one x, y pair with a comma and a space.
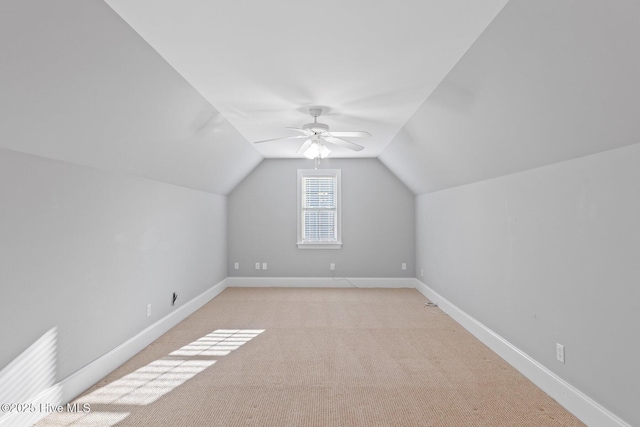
371, 64
453, 91
547, 81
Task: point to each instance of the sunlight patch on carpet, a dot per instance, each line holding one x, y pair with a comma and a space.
156, 379
218, 343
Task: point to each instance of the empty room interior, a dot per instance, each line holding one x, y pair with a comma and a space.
298, 211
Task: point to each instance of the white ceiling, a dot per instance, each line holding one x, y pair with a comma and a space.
454, 92
261, 64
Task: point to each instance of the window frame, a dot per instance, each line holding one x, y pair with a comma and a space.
310, 244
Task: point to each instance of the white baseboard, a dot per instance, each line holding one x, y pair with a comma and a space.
583, 407
576, 402
79, 381
321, 282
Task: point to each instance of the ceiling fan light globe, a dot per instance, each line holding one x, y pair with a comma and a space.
312, 152
316, 150
324, 151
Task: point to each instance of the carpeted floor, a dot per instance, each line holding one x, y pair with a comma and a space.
316, 357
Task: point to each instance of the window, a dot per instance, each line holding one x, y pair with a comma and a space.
319, 209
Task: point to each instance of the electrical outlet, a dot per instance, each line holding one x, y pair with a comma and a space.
404, 265
257, 266
560, 352
422, 272
264, 265
236, 265
148, 310
332, 266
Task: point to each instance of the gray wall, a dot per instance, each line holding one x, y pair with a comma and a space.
377, 223
548, 256
80, 85
86, 250
547, 81
117, 220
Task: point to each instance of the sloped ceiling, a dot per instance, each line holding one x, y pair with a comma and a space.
547, 81
451, 95
371, 64
79, 85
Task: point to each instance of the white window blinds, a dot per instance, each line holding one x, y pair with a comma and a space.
319, 208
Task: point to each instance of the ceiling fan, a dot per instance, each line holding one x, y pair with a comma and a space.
318, 134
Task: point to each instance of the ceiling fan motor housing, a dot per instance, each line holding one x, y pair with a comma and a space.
316, 127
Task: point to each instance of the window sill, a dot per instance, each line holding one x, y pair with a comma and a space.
334, 245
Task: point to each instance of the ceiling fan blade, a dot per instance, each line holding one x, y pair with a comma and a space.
278, 139
344, 143
306, 132
352, 134
304, 146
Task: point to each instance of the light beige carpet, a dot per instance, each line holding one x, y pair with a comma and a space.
316, 357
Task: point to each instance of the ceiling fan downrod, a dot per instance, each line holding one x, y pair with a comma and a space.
315, 113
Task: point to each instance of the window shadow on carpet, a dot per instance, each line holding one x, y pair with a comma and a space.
154, 380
